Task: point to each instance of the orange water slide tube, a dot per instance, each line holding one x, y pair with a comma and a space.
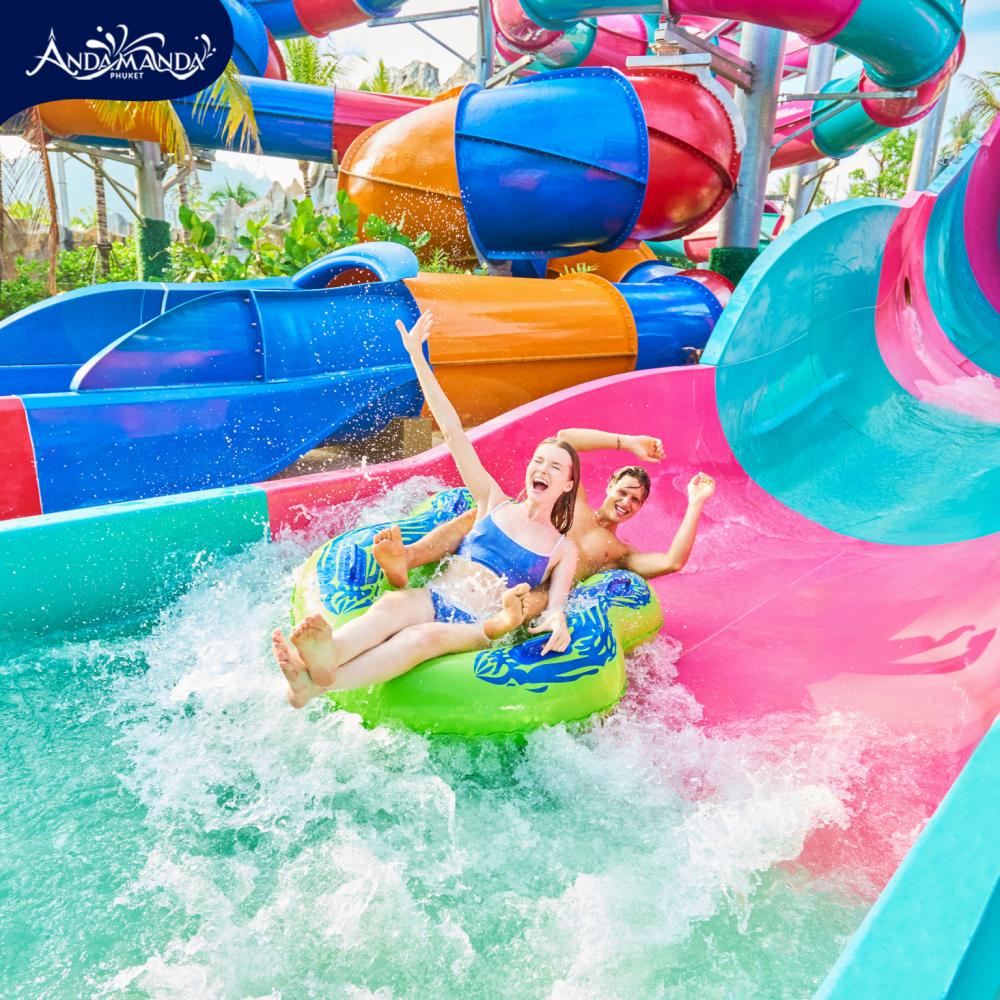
502, 342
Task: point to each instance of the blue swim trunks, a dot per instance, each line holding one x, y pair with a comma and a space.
446, 612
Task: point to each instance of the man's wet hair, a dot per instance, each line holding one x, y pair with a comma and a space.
636, 472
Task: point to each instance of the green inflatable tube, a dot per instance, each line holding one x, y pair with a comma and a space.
508, 688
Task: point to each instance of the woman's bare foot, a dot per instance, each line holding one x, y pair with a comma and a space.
512, 614
390, 554
301, 688
313, 638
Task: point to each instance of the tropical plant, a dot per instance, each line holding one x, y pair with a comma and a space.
892, 155
86, 218
241, 194
376, 228
379, 82
24, 288
228, 94
87, 265
438, 262
985, 92
962, 130
26, 212
75, 268
264, 253
307, 61
677, 260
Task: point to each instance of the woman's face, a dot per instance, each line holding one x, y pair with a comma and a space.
549, 473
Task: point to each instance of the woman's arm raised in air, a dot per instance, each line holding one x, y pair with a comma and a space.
480, 483
644, 447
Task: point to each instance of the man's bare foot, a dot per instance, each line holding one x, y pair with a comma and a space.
301, 688
390, 554
512, 614
313, 638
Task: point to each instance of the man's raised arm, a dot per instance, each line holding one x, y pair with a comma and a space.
649, 449
651, 564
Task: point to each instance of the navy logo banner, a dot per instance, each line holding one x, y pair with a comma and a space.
112, 49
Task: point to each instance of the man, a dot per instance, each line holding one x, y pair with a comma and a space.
595, 532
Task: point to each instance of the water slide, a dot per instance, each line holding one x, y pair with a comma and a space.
849, 559
117, 392
903, 45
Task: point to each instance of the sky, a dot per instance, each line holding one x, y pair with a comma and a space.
399, 44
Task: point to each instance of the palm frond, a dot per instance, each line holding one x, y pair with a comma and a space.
307, 62
159, 116
985, 93
379, 82
229, 95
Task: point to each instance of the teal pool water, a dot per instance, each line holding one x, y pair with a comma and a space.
170, 829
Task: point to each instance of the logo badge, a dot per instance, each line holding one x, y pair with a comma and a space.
112, 50
115, 55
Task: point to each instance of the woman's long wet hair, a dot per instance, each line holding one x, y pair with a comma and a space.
562, 513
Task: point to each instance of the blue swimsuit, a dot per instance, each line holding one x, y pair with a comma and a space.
489, 545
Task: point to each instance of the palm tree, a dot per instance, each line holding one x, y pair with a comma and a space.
985, 91
101, 217
307, 62
961, 131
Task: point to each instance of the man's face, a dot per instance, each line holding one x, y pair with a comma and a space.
624, 499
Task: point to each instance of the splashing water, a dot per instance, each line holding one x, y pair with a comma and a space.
170, 828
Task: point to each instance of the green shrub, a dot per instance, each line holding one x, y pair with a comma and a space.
28, 286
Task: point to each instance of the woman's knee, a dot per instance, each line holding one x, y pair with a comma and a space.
398, 600
440, 637
429, 635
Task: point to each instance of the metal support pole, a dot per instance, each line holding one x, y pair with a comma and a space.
149, 186
741, 218
437, 15
818, 74
444, 45
65, 230
484, 43
926, 149
153, 235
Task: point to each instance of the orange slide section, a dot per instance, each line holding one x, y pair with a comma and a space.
406, 169
78, 117
502, 342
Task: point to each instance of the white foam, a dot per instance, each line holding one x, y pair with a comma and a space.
299, 851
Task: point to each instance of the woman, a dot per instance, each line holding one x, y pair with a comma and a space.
478, 595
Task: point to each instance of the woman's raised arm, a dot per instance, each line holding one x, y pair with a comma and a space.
480, 483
